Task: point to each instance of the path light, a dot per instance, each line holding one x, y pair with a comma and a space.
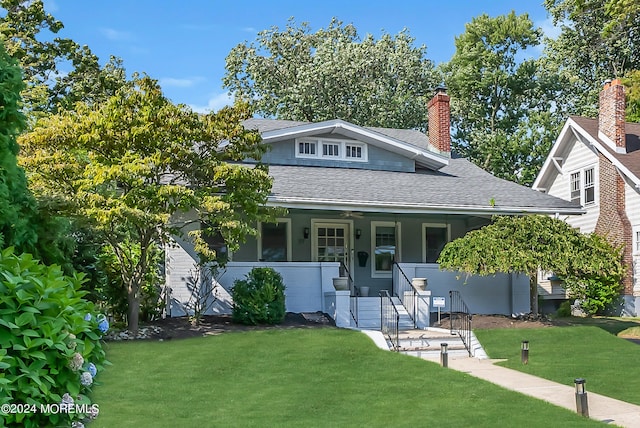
444, 354
581, 397
524, 352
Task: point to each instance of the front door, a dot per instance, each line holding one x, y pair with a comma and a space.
332, 243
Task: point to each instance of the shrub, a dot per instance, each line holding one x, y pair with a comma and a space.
564, 310
259, 299
50, 348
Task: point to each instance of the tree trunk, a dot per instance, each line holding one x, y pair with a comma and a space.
134, 310
533, 292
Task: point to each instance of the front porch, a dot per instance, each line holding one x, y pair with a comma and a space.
309, 288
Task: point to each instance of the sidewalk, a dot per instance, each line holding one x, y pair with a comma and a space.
601, 408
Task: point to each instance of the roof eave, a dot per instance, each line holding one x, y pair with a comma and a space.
382, 207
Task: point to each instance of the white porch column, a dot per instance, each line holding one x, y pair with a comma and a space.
423, 309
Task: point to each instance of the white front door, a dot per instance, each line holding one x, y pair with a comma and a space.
332, 243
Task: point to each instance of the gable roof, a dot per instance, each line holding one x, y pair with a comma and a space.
586, 130
406, 142
458, 188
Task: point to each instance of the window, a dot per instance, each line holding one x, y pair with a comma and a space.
354, 151
330, 148
307, 148
575, 187
434, 237
216, 242
385, 249
583, 186
589, 187
636, 245
274, 243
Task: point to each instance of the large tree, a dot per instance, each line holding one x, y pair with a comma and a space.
501, 105
300, 75
57, 71
137, 164
590, 267
599, 41
17, 205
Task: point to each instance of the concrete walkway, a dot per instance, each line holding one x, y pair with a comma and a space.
601, 408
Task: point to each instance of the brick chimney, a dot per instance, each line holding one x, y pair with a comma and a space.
611, 115
440, 121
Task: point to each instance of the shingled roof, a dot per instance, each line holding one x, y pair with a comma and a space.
460, 187
631, 159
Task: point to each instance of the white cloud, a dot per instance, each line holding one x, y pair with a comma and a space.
548, 29
249, 30
115, 35
215, 103
180, 83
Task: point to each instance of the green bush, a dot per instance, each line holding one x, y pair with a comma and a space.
564, 310
50, 348
259, 299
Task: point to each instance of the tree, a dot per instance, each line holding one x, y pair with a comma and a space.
57, 71
299, 75
17, 205
599, 40
136, 164
590, 266
501, 106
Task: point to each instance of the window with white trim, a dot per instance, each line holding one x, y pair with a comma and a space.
274, 241
434, 237
583, 186
331, 148
307, 149
385, 243
636, 244
589, 187
575, 186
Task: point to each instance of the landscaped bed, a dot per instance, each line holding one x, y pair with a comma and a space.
300, 377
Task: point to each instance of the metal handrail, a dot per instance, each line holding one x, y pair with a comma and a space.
389, 319
354, 292
353, 304
460, 318
406, 292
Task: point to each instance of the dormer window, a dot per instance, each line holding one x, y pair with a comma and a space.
330, 148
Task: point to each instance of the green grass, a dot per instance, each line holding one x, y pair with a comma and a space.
302, 378
591, 351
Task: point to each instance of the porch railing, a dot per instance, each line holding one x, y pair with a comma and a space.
406, 292
389, 319
460, 319
353, 298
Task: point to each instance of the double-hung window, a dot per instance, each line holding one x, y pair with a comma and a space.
385, 242
274, 241
583, 186
434, 237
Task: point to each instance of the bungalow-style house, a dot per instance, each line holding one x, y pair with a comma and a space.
596, 162
376, 206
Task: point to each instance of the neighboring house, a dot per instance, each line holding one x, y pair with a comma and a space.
596, 162
364, 198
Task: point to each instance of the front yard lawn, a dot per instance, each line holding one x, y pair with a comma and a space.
608, 363
300, 377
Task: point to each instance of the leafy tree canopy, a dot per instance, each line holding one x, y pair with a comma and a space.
501, 105
590, 266
136, 164
17, 205
599, 40
333, 73
58, 72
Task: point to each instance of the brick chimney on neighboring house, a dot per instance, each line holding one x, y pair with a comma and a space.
613, 221
440, 121
611, 115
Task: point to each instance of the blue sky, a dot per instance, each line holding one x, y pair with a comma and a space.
184, 43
